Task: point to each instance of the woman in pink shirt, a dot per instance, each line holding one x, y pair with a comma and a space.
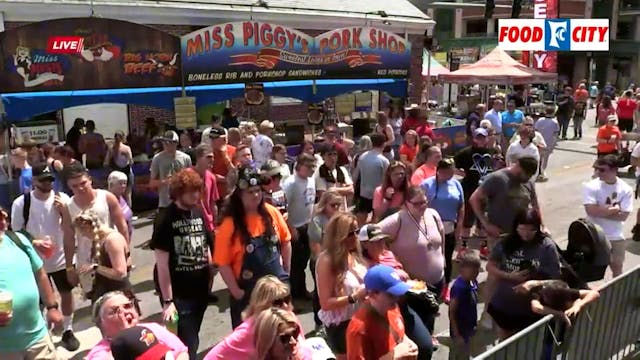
417, 235
604, 109
114, 312
389, 197
203, 166
241, 343
432, 156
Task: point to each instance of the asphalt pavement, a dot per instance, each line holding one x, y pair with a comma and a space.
560, 197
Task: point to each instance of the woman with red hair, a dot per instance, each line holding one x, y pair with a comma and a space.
182, 246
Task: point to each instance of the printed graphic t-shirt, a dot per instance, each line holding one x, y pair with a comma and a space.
476, 163
182, 233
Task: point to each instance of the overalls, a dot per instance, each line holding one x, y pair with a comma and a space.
261, 257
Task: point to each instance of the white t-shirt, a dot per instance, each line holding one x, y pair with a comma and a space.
636, 154
44, 220
516, 151
538, 139
301, 195
323, 185
597, 192
261, 147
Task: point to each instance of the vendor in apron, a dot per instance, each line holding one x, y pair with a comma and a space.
253, 240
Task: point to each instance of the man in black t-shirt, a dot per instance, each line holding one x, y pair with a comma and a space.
476, 161
182, 248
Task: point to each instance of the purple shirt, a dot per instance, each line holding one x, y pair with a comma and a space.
127, 213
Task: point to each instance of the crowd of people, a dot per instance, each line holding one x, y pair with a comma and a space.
379, 223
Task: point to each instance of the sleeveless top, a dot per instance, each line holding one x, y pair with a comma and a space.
383, 131
350, 285
101, 208
103, 283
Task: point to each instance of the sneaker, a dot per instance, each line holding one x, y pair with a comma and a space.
636, 232
461, 251
69, 341
484, 253
445, 296
486, 322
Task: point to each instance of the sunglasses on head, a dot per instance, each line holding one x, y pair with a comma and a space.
282, 301
285, 339
354, 232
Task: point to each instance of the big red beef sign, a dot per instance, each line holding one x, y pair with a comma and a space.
255, 51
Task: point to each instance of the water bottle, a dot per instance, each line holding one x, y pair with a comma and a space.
172, 325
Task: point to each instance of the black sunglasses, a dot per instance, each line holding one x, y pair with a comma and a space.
282, 301
285, 339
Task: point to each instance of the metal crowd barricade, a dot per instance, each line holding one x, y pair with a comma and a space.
608, 328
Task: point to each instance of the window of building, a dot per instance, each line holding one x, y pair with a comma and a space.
625, 30
476, 27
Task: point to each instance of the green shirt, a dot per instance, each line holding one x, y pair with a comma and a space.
17, 276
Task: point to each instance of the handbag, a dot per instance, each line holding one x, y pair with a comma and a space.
426, 298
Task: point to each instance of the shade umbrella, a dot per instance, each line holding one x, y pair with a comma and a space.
498, 67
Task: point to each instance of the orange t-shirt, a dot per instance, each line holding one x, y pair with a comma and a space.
229, 249
220, 167
605, 132
422, 173
409, 152
369, 336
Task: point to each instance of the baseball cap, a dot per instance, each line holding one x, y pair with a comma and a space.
266, 124
480, 131
42, 172
216, 132
170, 135
271, 168
138, 343
320, 349
384, 278
372, 232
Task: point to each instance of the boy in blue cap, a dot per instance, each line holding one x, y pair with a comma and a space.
376, 330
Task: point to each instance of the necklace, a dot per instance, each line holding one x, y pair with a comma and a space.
415, 221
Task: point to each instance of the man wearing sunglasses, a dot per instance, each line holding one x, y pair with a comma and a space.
608, 201
39, 213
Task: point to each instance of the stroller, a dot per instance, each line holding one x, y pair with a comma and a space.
587, 255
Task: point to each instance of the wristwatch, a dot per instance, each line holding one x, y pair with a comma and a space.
167, 302
53, 306
351, 299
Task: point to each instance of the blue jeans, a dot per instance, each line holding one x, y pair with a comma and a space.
190, 312
417, 331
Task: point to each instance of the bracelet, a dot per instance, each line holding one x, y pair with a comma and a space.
70, 268
167, 302
53, 306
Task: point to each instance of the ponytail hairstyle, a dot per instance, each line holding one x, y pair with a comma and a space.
98, 229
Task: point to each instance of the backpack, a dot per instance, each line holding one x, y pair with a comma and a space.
25, 214
16, 240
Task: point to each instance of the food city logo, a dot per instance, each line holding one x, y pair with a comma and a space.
37, 67
266, 46
553, 34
